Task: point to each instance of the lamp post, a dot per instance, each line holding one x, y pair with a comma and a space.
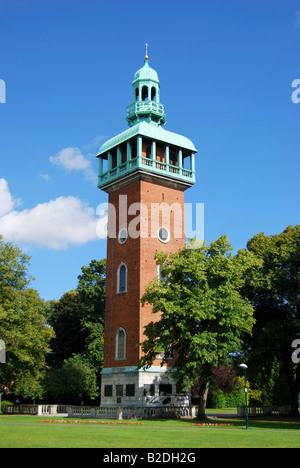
245, 367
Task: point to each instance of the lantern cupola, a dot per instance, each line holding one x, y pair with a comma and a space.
146, 149
146, 106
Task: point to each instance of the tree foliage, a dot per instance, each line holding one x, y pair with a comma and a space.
23, 326
73, 382
275, 295
91, 290
78, 321
65, 316
202, 313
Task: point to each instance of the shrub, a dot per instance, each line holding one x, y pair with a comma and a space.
5, 403
255, 397
219, 399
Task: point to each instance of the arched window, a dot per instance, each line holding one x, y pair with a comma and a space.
153, 94
122, 279
121, 344
145, 93
161, 275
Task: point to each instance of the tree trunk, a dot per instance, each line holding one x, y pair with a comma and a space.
203, 399
294, 404
294, 383
295, 393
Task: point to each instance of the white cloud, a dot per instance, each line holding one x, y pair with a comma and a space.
72, 159
95, 142
7, 203
57, 224
46, 177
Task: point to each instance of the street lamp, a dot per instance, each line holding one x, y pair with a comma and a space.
245, 367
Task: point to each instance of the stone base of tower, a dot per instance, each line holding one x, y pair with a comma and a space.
129, 386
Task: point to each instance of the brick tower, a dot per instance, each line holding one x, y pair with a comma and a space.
145, 174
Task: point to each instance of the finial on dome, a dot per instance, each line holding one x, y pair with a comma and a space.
146, 56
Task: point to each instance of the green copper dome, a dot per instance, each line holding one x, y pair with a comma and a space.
146, 73
146, 93
146, 150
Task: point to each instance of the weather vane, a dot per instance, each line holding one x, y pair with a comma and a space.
146, 56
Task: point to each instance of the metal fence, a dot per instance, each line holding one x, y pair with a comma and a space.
264, 410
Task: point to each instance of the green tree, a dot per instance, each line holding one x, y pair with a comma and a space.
91, 290
23, 326
78, 318
202, 314
73, 382
66, 316
78, 321
275, 296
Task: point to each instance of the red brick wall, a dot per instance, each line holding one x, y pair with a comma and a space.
124, 310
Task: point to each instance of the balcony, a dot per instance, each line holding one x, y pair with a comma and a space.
146, 165
148, 149
144, 109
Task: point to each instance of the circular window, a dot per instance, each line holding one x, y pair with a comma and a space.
122, 236
163, 234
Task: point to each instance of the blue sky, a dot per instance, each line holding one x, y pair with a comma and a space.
226, 71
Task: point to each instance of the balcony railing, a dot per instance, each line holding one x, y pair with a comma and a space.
141, 109
151, 165
145, 107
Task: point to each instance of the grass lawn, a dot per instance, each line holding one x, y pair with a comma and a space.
31, 432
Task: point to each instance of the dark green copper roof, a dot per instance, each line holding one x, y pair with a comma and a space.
152, 131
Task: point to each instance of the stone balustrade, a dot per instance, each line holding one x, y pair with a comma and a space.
102, 412
130, 412
39, 410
